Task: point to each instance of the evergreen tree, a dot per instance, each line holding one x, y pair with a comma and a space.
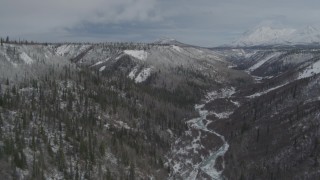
132, 172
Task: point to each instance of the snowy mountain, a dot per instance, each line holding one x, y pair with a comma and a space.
307, 35
268, 35
168, 41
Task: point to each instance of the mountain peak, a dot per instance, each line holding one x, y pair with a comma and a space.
167, 41
264, 35
310, 30
268, 35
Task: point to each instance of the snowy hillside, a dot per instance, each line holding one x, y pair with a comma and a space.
160, 111
139, 54
141, 61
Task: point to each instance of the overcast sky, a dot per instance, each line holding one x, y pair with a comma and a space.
198, 22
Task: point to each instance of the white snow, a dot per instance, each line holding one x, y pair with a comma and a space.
139, 54
266, 91
199, 51
117, 58
170, 132
268, 35
310, 71
70, 49
133, 73
107, 126
261, 62
143, 75
248, 55
177, 48
232, 66
223, 115
165, 40
265, 35
102, 68
222, 93
62, 50
122, 124
26, 58
236, 103
309, 34
100, 62
176, 167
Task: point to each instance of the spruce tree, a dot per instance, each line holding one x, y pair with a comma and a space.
132, 172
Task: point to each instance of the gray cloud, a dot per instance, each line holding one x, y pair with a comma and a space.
201, 22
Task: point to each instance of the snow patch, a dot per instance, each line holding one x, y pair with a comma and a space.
236, 103
62, 50
232, 66
26, 58
268, 35
122, 124
222, 93
265, 35
223, 115
199, 51
133, 73
260, 63
139, 54
143, 75
248, 55
100, 62
117, 58
310, 71
177, 48
102, 68
70, 49
266, 91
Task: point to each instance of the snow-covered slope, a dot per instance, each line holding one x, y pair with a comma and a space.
264, 60
26, 58
71, 49
139, 54
141, 61
21, 54
311, 70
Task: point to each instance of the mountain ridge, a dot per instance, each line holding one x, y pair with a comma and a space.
269, 35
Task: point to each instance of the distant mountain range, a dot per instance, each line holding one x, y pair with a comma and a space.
268, 35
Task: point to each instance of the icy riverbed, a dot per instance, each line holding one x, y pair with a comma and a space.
195, 155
